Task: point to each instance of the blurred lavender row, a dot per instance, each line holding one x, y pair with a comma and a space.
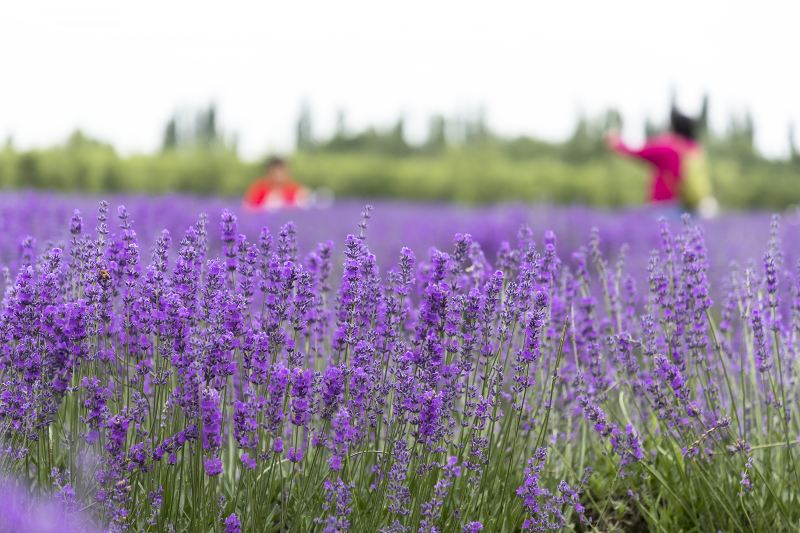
735, 236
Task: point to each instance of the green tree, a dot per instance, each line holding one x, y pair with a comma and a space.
476, 130
304, 138
586, 141
613, 120
395, 142
28, 170
341, 124
170, 141
206, 133
437, 135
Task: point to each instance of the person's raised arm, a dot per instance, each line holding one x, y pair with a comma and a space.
615, 143
651, 152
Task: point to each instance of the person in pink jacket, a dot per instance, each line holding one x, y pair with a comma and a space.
666, 154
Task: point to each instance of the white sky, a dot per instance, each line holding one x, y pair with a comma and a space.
119, 69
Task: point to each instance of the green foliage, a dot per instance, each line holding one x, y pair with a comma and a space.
474, 176
460, 160
191, 131
86, 165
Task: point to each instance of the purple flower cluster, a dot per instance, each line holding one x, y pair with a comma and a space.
267, 384
543, 507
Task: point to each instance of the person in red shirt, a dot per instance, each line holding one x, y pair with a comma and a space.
667, 155
276, 189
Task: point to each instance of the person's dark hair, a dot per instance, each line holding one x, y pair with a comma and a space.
273, 163
682, 125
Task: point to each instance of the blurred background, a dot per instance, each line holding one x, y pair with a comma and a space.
470, 102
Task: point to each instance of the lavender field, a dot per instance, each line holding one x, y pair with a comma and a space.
412, 367
45, 216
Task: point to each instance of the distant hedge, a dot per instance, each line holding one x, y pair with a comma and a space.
465, 174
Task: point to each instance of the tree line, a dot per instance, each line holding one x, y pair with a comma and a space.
460, 159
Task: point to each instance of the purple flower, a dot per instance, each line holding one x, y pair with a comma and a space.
212, 430
763, 361
295, 455
116, 435
343, 433
232, 524
336, 506
332, 387
429, 416
212, 419
248, 461
212, 466
302, 381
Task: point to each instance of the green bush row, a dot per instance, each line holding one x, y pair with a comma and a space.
471, 175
